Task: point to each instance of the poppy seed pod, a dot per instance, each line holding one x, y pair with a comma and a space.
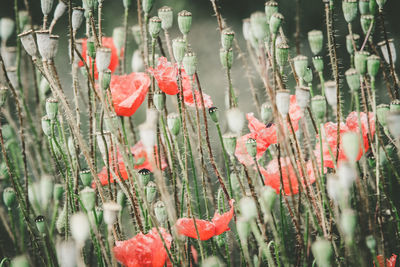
136, 34
366, 22
246, 29
78, 46
229, 141
52, 108
318, 107
382, 111
28, 42
248, 208
103, 58
161, 212
266, 112
308, 75
385, 51
179, 49
174, 123
351, 146
275, 23
80, 228
303, 97
9, 197
349, 42
151, 192
89, 6
283, 102
322, 252
316, 41
393, 123
235, 119
282, 54
6, 29
144, 176
3, 95
251, 147
271, 7
40, 224
60, 10
395, 105
363, 5
159, 101
189, 63
47, 44
105, 79
110, 212
318, 63
88, 198
154, 27
373, 63
226, 58
121, 198
381, 3
353, 79
77, 18
167, 17
300, 65
227, 37
350, 9
331, 93
86, 177
118, 38
184, 21
46, 126
259, 25
46, 6
147, 5
213, 112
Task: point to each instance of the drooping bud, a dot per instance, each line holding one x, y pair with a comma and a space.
353, 79
161, 212
154, 27
6, 29
88, 198
9, 197
111, 210
60, 10
275, 23
214, 115
189, 63
316, 41
322, 250
46, 6
151, 192
28, 42
46, 126
235, 119
227, 37
159, 101
40, 224
248, 208
105, 79
300, 65
366, 22
77, 18
259, 25
282, 54
303, 97
80, 228
174, 123
86, 177
251, 147
318, 63
103, 58
268, 198
147, 5
167, 17
331, 93
266, 112
52, 108
283, 102
178, 49
318, 107
271, 7
184, 21
226, 58
373, 63
382, 112
243, 229
385, 51
349, 42
350, 9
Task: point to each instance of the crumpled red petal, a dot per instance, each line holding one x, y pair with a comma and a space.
221, 222
389, 262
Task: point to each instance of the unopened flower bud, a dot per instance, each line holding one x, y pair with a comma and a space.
235, 119
393, 123
159, 101
360, 61
248, 208
347, 173
227, 37
373, 63
268, 198
126, 3
349, 42
300, 65
161, 212
167, 17
184, 21
40, 224
6, 29
243, 229
174, 123
9, 197
86, 177
331, 93
275, 23
147, 5
385, 51
60, 10
282, 54
103, 58
283, 102
251, 147
80, 228
46, 126
111, 210
58, 192
178, 49
322, 250
28, 42
259, 25
303, 97
271, 7
88, 198
350, 9
154, 27
213, 112
99, 214
77, 18
229, 141
382, 112
105, 79
266, 112
366, 21
318, 107
52, 108
353, 79
118, 38
20, 261
151, 192
316, 41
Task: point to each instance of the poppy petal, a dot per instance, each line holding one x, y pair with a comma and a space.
185, 226
221, 222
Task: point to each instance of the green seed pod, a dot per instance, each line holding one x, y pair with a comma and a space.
3, 95
303, 97
189, 63
366, 21
178, 49
318, 63
161, 212
382, 112
40, 224
89, 5
88, 198
266, 112
275, 23
360, 61
316, 41
229, 141
363, 5
373, 63
151, 192
268, 198
318, 107
248, 208
99, 214
259, 25
121, 198
46, 126
371, 243
159, 101
46, 6
381, 3
60, 223
282, 54
353, 79
52, 108
349, 43
136, 34
271, 7
251, 147
86, 177
243, 229
226, 58
58, 192
9, 197
350, 9
283, 102
154, 27
167, 17
331, 93
395, 105
308, 76
322, 252
144, 176
300, 65
147, 5
213, 112
174, 123
105, 79
227, 37
184, 21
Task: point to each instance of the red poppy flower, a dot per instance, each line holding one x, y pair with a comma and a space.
106, 42
128, 92
140, 159
144, 250
218, 225
389, 262
272, 175
265, 135
330, 137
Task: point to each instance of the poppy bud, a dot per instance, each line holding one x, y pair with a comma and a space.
353, 79
159, 101
322, 252
366, 21
89, 5
371, 243
88, 198
350, 9
6, 28
348, 221
147, 135
189, 63
349, 42
283, 102
144, 176
111, 210
86, 177
235, 119
77, 17
346, 172
214, 115
382, 112
363, 5
51, 108
248, 208
121, 198
46, 126
227, 37
226, 58
318, 63
395, 105
243, 229
360, 61
9, 54
271, 7
46, 6
318, 107
229, 141
381, 3
118, 38
316, 41
308, 75
393, 123
60, 223
136, 34
3, 95
154, 27
373, 63
300, 65
80, 228
147, 5
385, 51
184, 21
275, 23
303, 97
259, 25
246, 29
103, 58
151, 192
268, 197
105, 79
9, 197
331, 93
58, 192
351, 146
167, 16
282, 54
178, 49
251, 147
23, 17
266, 112
161, 212
174, 123
40, 224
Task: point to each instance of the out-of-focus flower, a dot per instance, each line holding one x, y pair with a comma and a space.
144, 250
128, 92
389, 262
218, 225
